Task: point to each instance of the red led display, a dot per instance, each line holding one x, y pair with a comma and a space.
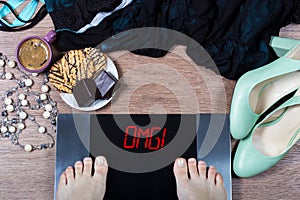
141, 138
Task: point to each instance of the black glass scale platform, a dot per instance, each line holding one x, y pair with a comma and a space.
141, 149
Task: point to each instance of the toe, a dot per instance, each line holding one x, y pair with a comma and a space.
87, 166
62, 180
212, 174
180, 170
78, 168
219, 179
193, 168
202, 168
101, 168
70, 174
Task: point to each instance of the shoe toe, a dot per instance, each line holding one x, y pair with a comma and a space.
241, 123
249, 162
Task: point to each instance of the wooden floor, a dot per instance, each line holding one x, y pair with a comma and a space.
31, 175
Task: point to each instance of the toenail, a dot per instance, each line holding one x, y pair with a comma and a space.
100, 161
180, 163
87, 159
212, 167
192, 160
78, 163
202, 163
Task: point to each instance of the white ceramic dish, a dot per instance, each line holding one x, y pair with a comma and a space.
70, 99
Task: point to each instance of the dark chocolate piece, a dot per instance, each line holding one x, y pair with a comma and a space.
105, 83
86, 92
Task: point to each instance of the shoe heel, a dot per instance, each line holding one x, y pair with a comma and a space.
282, 45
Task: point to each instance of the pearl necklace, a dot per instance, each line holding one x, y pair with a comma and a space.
15, 102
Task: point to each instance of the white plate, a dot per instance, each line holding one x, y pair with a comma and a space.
70, 99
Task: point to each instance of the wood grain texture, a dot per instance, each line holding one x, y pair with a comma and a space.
31, 175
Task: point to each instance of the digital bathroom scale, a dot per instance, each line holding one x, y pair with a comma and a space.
141, 149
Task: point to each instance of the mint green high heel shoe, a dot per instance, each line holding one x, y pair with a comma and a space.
257, 90
269, 142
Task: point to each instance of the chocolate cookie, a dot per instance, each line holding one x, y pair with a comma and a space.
75, 66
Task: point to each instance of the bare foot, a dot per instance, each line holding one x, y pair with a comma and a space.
82, 185
199, 186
